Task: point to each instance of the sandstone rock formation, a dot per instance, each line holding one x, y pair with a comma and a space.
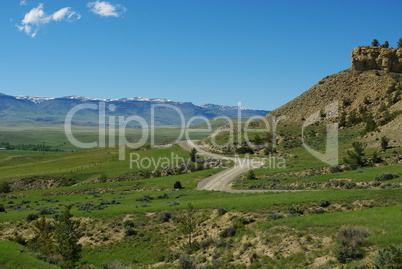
376, 58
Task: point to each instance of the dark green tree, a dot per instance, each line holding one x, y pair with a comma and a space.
67, 234
193, 155
250, 174
353, 118
257, 140
356, 156
375, 43
42, 240
177, 185
371, 125
399, 43
342, 120
384, 143
5, 187
385, 45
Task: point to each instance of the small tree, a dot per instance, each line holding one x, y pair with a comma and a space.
188, 222
67, 234
193, 155
371, 125
42, 240
384, 143
375, 43
385, 45
342, 120
353, 118
355, 158
250, 174
177, 185
399, 43
257, 140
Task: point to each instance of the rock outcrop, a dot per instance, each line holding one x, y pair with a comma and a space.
376, 58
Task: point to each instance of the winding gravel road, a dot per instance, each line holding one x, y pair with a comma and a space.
223, 180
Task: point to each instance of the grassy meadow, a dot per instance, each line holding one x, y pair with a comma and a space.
286, 229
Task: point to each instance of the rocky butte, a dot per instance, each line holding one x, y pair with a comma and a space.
377, 58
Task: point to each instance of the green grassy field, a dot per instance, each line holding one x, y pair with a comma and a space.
103, 207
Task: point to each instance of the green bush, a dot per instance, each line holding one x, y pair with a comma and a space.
165, 216
228, 232
145, 198
295, 210
32, 217
177, 185
346, 102
350, 241
128, 226
2, 208
389, 258
335, 169
5, 187
384, 143
186, 262
221, 211
46, 211
244, 150
114, 265
274, 216
350, 185
386, 176
250, 174
324, 202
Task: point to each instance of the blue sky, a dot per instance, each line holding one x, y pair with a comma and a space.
262, 53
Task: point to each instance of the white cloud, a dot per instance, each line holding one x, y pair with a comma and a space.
65, 14
23, 3
36, 17
106, 9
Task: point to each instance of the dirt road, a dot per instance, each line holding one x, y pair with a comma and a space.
223, 180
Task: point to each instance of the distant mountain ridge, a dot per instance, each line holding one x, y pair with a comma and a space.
15, 110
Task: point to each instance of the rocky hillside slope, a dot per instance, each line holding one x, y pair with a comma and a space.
367, 92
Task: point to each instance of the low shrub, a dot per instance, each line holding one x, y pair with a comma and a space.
174, 203
46, 211
228, 232
295, 210
145, 198
32, 217
5, 187
186, 262
250, 175
335, 169
350, 241
386, 176
274, 216
128, 226
324, 202
177, 185
164, 216
114, 265
389, 257
221, 211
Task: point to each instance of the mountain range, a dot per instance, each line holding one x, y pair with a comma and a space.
16, 110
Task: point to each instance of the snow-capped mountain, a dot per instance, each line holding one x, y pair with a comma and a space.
51, 110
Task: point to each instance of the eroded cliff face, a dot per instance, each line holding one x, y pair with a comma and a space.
376, 58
